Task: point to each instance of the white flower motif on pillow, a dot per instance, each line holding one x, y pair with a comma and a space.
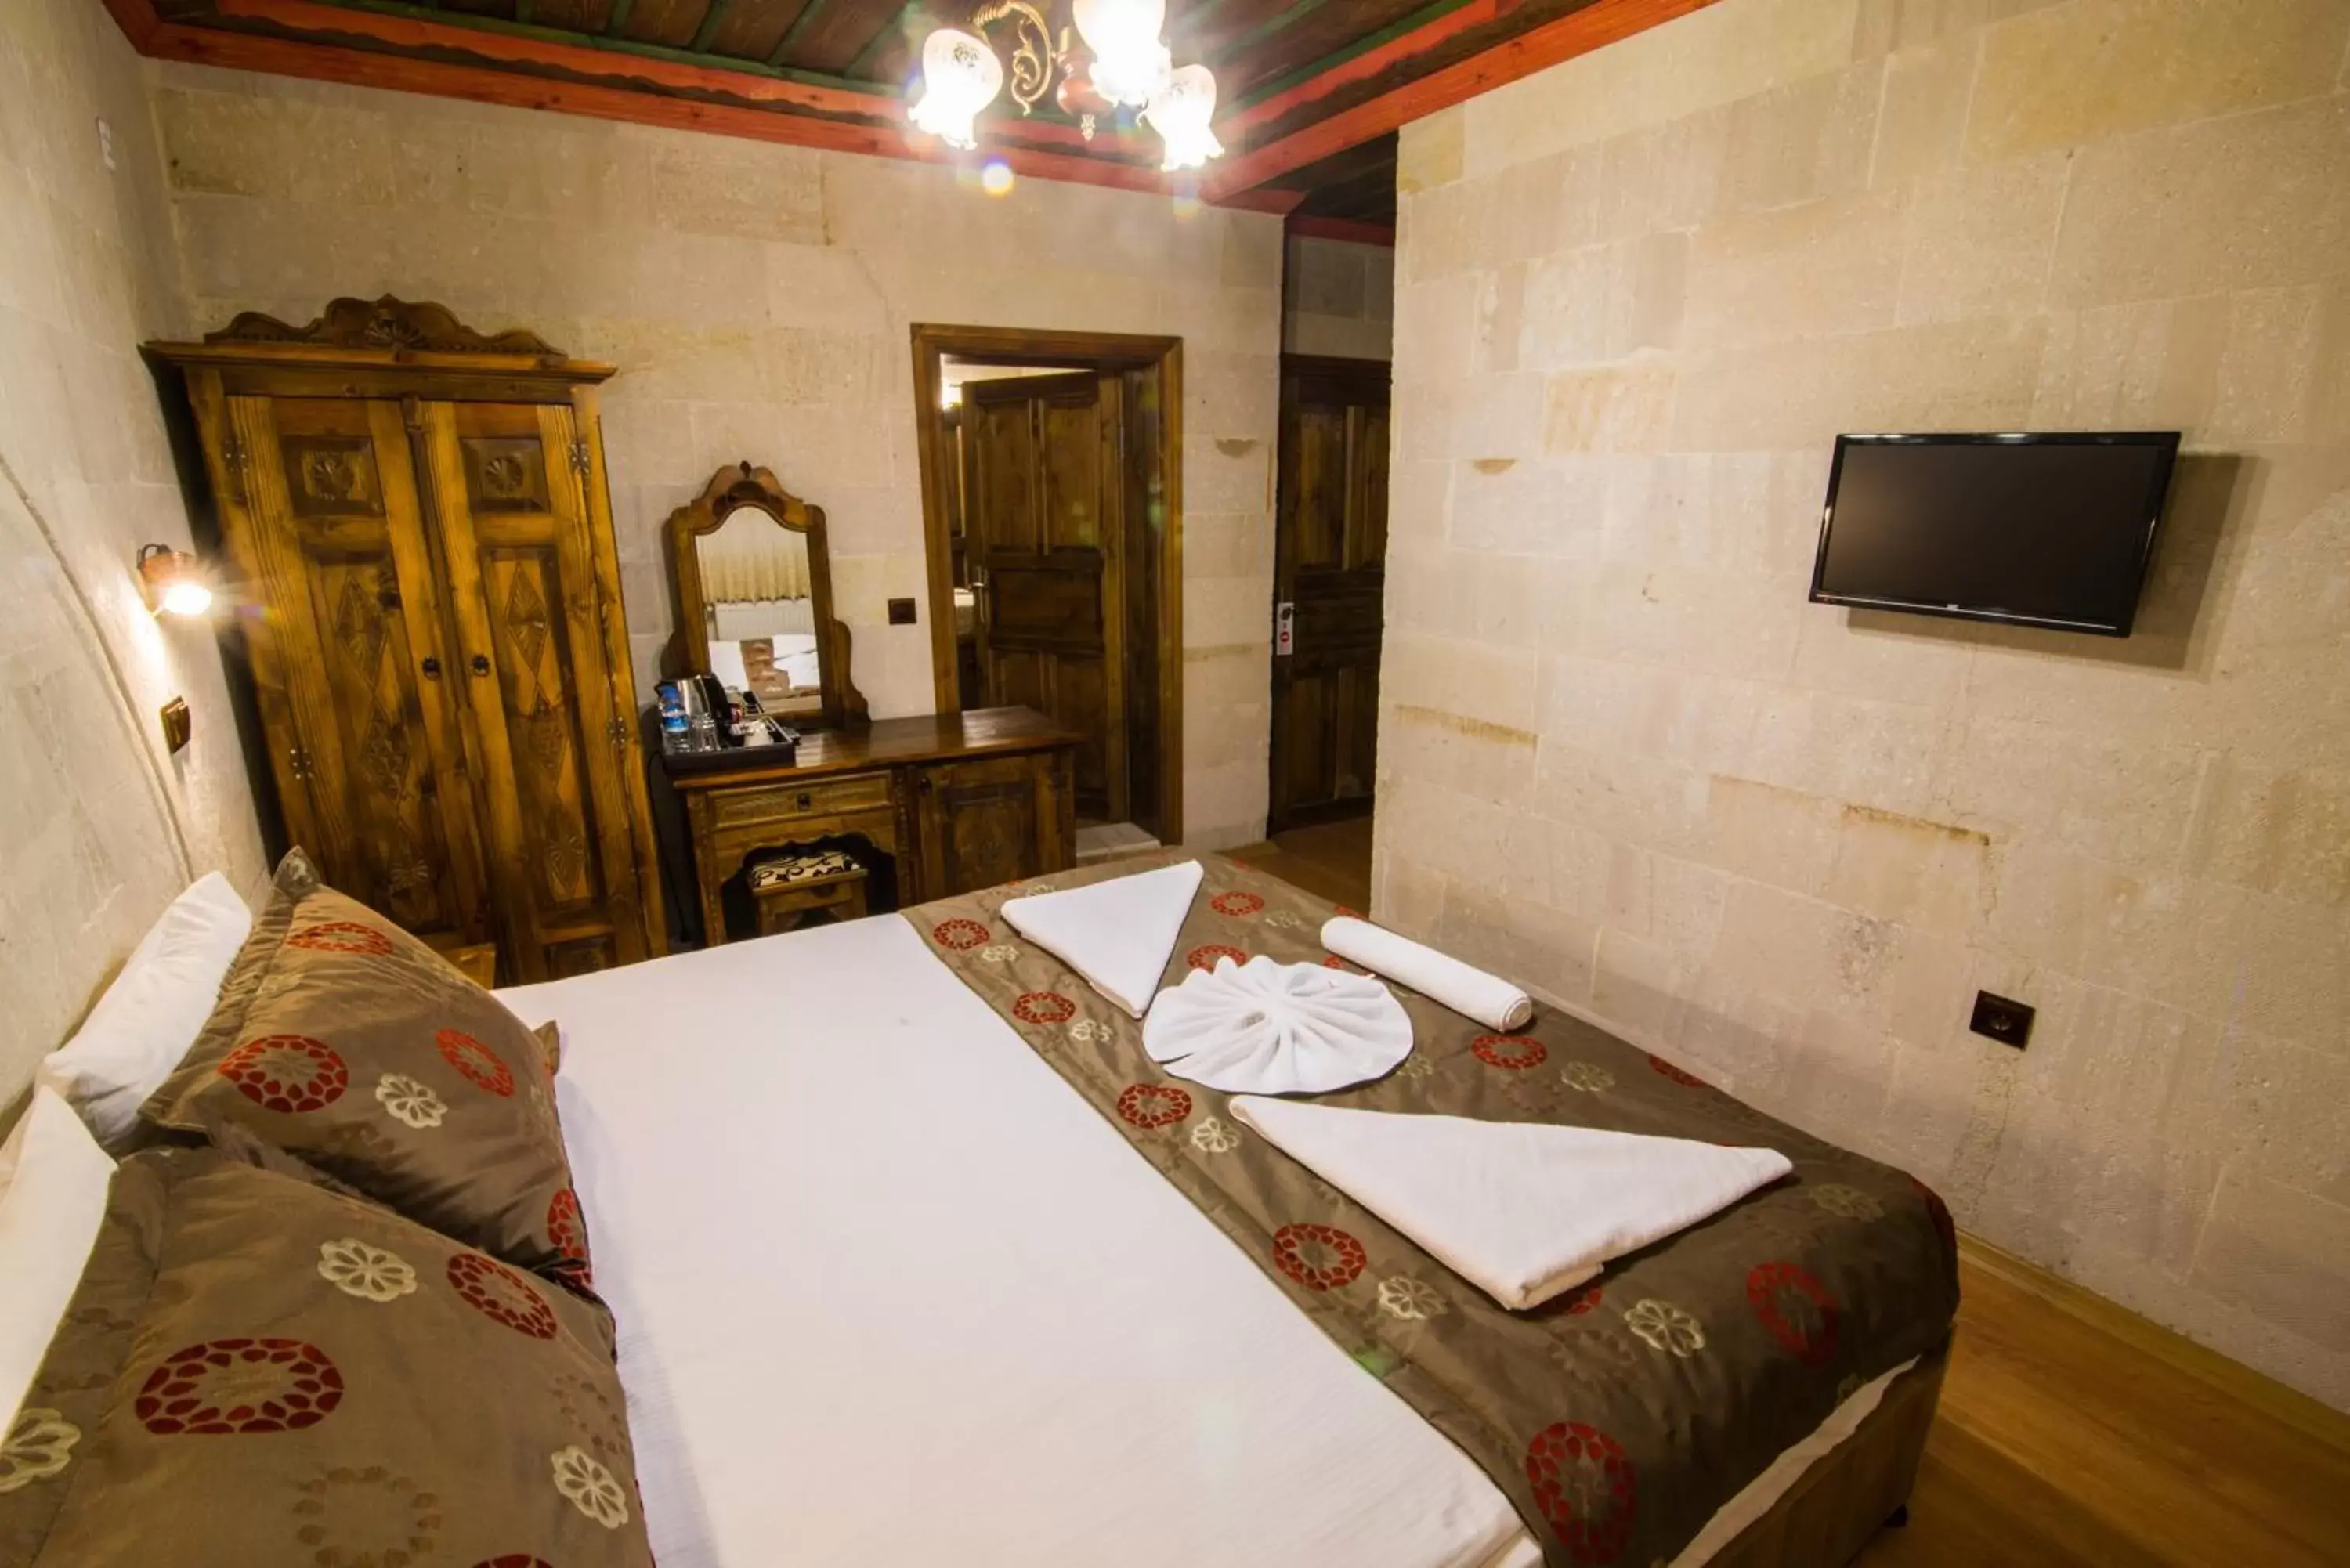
998, 952
590, 1486
39, 1445
1847, 1202
1407, 1298
1589, 1077
1665, 1327
1214, 1136
370, 1273
410, 1101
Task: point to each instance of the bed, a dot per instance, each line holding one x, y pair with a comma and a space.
974, 1327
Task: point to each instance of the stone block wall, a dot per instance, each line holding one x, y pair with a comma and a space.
100, 827
757, 299
1637, 296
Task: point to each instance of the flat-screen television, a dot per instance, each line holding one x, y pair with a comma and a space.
2035, 530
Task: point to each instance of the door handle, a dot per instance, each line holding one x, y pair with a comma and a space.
431, 668
480, 664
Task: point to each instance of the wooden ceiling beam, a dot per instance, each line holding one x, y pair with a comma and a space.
1599, 24
616, 21
1312, 226
712, 17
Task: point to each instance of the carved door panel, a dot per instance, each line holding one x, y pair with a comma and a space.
1330, 541
988, 821
536, 619
1043, 490
319, 506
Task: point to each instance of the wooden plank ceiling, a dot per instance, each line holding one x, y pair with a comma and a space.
1309, 91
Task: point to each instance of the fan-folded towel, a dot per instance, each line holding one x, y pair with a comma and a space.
1470, 992
1522, 1210
1118, 934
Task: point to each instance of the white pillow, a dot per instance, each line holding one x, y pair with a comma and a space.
153, 1011
53, 1184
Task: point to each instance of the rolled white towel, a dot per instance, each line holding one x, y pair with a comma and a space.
1489, 999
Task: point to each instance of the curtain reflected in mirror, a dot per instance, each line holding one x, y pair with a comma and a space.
759, 611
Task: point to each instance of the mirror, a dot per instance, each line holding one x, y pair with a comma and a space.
754, 599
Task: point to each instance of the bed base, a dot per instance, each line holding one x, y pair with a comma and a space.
1861, 1486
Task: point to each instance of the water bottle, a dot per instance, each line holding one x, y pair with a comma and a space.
676, 732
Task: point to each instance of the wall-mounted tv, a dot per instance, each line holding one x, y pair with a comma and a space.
2034, 530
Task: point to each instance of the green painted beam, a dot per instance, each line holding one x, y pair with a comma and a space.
617, 21
879, 40
710, 19
795, 32
1362, 46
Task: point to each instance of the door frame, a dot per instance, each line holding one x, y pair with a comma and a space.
933, 344
1285, 523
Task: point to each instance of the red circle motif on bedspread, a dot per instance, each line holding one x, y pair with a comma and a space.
499, 1292
341, 937
239, 1386
1236, 903
1567, 1304
1515, 1052
568, 1229
961, 936
1342, 966
1796, 1308
1148, 1106
1043, 1007
1319, 1257
1586, 1489
1206, 957
514, 1559
1667, 1070
477, 1063
287, 1073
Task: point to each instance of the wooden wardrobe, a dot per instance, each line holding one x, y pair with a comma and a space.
416, 520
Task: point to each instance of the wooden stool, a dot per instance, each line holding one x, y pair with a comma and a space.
807, 888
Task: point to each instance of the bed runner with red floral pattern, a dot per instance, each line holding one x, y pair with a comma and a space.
1617, 1417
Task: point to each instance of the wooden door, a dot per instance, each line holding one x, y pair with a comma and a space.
1044, 486
355, 684
1330, 543
539, 641
982, 823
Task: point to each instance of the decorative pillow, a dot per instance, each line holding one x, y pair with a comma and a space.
347, 1042
152, 1014
257, 1370
53, 1183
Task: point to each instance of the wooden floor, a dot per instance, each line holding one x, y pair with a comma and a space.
2072, 1433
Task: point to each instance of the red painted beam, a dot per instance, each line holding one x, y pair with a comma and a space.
1306, 225
1596, 25
1364, 66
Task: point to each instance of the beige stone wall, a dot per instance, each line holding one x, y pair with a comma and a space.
100, 827
757, 299
1338, 298
1622, 758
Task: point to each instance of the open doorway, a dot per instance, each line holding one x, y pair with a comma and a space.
1052, 523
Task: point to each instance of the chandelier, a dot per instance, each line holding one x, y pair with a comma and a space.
1117, 56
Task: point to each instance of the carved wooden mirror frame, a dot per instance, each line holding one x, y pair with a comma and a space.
729, 490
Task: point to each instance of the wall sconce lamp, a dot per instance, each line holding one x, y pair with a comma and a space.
173, 581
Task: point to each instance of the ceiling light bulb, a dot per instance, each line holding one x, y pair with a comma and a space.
960, 76
1130, 64
1179, 113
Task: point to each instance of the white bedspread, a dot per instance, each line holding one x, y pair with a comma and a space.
890, 1293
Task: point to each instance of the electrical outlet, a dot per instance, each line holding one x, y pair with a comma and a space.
902, 612
106, 145
1997, 1018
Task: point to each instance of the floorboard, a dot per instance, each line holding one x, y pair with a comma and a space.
2071, 1434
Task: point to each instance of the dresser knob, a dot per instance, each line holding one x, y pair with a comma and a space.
806, 800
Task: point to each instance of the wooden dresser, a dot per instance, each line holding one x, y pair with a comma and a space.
956, 802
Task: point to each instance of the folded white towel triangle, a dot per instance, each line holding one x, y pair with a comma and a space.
1118, 934
1522, 1210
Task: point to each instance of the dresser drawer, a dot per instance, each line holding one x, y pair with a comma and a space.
784, 800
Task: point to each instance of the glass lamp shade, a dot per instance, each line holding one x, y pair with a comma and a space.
960, 76
1130, 64
1179, 113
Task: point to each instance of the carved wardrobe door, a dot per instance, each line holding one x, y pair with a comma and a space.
319, 508
534, 603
